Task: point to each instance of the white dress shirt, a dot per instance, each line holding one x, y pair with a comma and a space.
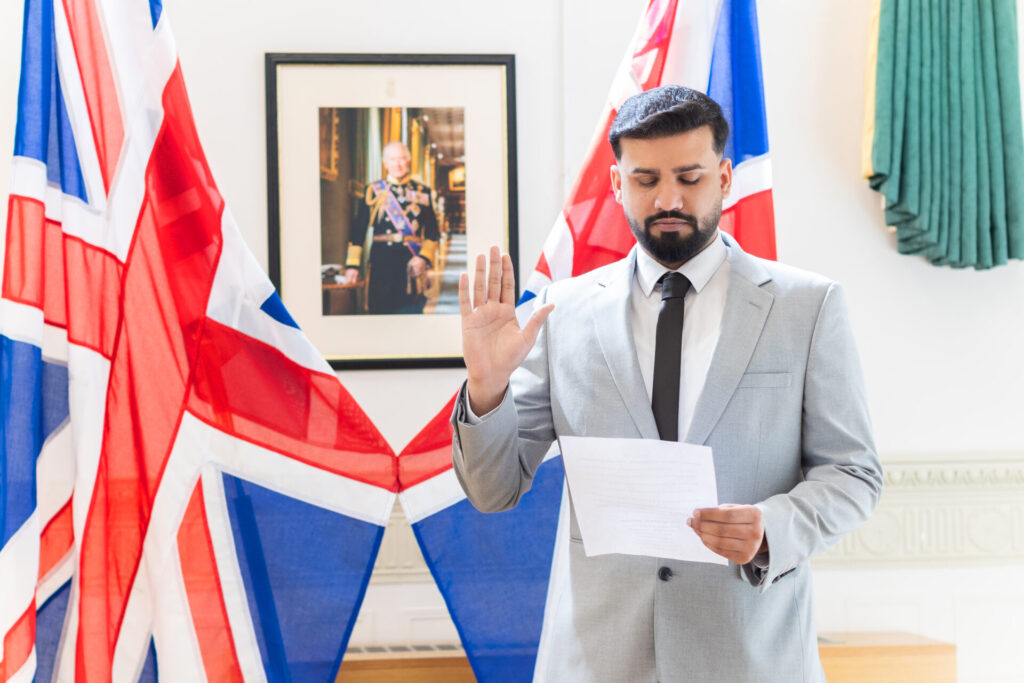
703, 307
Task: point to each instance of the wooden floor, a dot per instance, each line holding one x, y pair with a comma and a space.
410, 666
878, 657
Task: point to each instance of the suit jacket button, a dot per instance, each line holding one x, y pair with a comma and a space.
664, 573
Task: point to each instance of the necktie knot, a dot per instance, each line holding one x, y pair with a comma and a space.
673, 285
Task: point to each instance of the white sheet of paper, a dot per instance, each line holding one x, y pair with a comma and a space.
633, 496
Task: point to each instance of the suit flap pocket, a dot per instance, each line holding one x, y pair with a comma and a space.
765, 380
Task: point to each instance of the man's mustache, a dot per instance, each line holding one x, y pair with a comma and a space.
677, 215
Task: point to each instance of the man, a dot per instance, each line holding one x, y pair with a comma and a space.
400, 240
763, 370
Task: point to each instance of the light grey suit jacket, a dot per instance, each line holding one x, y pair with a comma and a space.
784, 409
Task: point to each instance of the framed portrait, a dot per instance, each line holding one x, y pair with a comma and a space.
385, 172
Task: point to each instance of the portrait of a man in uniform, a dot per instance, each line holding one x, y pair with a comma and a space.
392, 210
401, 239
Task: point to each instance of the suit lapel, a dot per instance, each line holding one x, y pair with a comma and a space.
746, 309
609, 309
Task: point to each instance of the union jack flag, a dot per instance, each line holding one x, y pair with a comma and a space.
502, 574
711, 46
175, 456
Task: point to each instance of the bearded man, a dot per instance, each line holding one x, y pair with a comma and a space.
687, 338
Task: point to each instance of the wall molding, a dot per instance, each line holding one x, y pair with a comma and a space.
956, 508
948, 509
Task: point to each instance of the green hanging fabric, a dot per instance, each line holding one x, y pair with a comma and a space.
943, 139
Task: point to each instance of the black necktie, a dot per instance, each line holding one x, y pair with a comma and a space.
668, 347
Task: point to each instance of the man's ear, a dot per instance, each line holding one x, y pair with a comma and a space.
616, 176
725, 175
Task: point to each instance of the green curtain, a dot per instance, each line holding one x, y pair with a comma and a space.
944, 129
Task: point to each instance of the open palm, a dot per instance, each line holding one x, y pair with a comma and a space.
493, 344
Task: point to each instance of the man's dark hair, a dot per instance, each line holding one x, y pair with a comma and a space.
665, 111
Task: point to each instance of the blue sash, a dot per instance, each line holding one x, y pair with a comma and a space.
396, 214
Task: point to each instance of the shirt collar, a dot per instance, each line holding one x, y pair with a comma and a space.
698, 270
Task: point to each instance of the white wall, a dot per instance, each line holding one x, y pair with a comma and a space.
943, 350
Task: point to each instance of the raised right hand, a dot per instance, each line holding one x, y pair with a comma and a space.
493, 345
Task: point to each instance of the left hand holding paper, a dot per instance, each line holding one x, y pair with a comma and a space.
736, 532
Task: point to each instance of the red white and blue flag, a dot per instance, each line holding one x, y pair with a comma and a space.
185, 486
174, 455
500, 574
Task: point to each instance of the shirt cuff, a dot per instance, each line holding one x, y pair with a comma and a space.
473, 419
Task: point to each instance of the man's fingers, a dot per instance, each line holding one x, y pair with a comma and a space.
494, 279
710, 543
742, 532
508, 281
730, 549
494, 276
535, 322
742, 514
725, 545
738, 538
480, 281
464, 306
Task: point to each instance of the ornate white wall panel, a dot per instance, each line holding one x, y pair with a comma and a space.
945, 509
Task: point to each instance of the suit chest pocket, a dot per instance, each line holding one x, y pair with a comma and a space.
765, 380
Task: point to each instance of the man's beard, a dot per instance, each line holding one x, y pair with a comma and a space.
676, 247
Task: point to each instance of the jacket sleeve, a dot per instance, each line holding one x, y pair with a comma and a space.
842, 476
495, 460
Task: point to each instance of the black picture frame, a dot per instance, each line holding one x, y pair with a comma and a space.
290, 73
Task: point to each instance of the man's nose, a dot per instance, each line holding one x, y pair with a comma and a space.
669, 199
